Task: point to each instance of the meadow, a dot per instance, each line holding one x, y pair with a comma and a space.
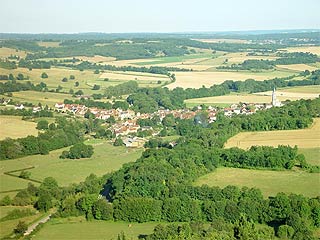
15, 127
269, 182
45, 98
303, 138
106, 158
312, 155
311, 49
7, 52
79, 228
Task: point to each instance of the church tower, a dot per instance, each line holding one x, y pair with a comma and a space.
274, 97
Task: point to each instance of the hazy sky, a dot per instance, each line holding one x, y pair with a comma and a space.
69, 16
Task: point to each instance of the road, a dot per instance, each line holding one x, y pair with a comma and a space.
33, 226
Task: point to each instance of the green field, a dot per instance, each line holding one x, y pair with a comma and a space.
6, 227
312, 155
106, 158
15, 127
78, 228
269, 182
45, 98
303, 89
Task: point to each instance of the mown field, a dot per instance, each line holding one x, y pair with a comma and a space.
79, 228
270, 182
106, 158
303, 138
15, 127
7, 52
312, 155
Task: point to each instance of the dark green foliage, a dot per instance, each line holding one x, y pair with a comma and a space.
17, 213
102, 210
21, 228
96, 87
79, 150
122, 89
8, 65
42, 125
44, 75
25, 175
118, 142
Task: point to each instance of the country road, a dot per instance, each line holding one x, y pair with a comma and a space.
33, 226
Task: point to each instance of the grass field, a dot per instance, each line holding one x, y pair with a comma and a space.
270, 182
199, 79
312, 155
283, 95
46, 98
48, 44
6, 227
303, 89
14, 127
78, 228
106, 158
303, 138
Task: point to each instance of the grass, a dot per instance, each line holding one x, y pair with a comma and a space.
46, 98
303, 89
297, 67
79, 228
8, 226
15, 127
6, 52
48, 44
303, 138
269, 182
312, 155
106, 158
311, 49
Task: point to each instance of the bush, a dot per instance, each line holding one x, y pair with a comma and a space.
79, 150
118, 142
44, 75
21, 228
25, 175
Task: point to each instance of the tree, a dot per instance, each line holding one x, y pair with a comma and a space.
21, 228
11, 77
96, 71
79, 92
25, 175
20, 76
118, 142
42, 125
72, 77
64, 79
44, 75
96, 87
76, 84
79, 150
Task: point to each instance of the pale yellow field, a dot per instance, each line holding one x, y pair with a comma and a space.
48, 44
304, 138
311, 49
198, 79
298, 67
96, 59
291, 95
14, 127
127, 76
269, 182
303, 89
6, 52
222, 40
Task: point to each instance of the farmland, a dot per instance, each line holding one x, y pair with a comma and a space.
77, 228
304, 138
207, 79
270, 182
14, 127
106, 158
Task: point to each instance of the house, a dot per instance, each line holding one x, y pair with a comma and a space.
19, 107
59, 106
134, 142
36, 109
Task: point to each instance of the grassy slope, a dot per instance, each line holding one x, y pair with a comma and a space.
270, 182
106, 158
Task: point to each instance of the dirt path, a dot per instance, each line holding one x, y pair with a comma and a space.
33, 226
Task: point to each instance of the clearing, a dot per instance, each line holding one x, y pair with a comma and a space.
15, 127
269, 182
303, 138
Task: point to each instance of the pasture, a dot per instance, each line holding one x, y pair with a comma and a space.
312, 155
303, 138
15, 127
297, 67
106, 158
79, 228
269, 182
303, 89
290, 95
